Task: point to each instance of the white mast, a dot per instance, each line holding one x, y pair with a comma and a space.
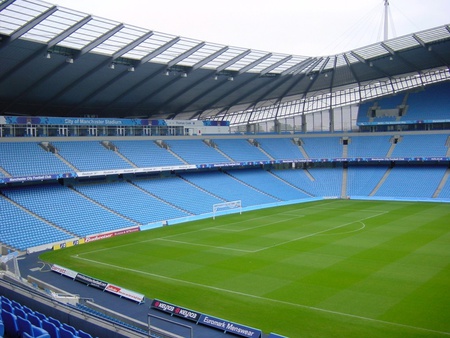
386, 12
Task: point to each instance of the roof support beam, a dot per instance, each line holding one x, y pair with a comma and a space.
275, 65
210, 58
29, 25
232, 61
131, 45
350, 67
186, 54
159, 50
68, 31
99, 40
254, 63
298, 67
5, 4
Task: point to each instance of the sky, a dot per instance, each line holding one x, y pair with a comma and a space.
298, 27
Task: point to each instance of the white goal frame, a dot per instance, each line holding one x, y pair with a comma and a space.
227, 205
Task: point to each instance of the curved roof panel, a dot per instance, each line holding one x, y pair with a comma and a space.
57, 61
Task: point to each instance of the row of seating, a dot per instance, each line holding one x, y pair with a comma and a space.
92, 155
114, 205
21, 321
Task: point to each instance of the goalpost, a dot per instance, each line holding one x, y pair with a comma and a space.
227, 205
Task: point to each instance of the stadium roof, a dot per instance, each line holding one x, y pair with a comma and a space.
59, 62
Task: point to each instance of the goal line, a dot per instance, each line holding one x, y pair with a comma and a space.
221, 208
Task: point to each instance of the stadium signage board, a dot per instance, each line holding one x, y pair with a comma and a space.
175, 310
121, 292
63, 271
226, 326
110, 234
96, 283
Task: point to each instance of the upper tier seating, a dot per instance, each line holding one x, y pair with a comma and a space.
430, 104
196, 152
146, 154
81, 155
240, 150
280, 148
323, 147
28, 158
368, 146
421, 146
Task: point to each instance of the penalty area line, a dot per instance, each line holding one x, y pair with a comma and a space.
313, 308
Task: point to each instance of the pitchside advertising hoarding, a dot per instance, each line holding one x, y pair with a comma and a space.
98, 284
217, 323
176, 310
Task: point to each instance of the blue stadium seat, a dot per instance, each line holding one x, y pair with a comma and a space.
10, 322
51, 328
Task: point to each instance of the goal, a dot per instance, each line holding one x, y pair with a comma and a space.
226, 206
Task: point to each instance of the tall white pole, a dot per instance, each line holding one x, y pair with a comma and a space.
386, 13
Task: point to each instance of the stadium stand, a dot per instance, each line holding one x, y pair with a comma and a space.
323, 147
196, 151
33, 160
281, 148
362, 179
369, 146
80, 156
21, 321
265, 181
224, 186
168, 189
128, 200
241, 150
67, 209
421, 146
412, 181
22, 230
146, 154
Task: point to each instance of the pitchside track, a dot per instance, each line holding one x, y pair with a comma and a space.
335, 268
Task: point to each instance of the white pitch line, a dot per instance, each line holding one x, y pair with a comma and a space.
313, 308
319, 232
205, 245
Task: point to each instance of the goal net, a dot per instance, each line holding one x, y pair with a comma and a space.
221, 208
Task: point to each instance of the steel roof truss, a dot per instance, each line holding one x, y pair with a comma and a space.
68, 32
186, 54
254, 63
233, 61
99, 40
131, 45
32, 23
159, 50
5, 4
275, 65
210, 58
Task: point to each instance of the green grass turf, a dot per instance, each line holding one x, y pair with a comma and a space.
334, 268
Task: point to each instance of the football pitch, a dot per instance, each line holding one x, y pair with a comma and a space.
333, 268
